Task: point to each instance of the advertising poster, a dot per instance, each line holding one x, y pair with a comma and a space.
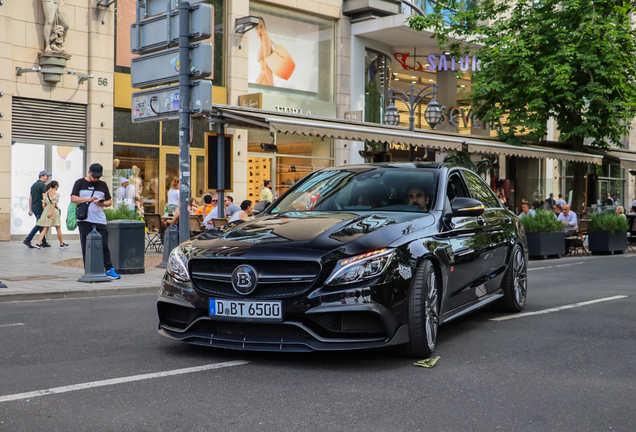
27, 160
284, 53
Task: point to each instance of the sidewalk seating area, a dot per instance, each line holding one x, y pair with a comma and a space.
32, 274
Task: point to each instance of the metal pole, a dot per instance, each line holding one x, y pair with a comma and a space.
184, 120
220, 163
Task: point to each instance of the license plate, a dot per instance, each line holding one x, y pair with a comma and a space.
247, 309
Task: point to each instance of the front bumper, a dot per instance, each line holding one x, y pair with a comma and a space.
347, 321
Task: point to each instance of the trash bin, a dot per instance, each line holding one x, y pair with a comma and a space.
127, 242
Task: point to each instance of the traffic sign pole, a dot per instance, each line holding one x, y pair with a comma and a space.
184, 120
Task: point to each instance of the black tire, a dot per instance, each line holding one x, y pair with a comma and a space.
515, 283
423, 313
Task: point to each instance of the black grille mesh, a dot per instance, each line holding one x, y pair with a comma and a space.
176, 316
281, 269
350, 322
250, 330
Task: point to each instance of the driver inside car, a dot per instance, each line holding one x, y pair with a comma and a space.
366, 201
417, 198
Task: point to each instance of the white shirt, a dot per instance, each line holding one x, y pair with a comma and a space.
236, 216
120, 194
561, 201
173, 196
570, 220
130, 196
214, 213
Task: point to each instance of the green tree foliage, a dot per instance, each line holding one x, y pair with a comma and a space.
541, 221
612, 222
568, 59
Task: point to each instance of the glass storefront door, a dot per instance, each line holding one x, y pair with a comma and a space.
169, 166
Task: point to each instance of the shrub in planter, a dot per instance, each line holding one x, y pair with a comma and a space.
127, 239
544, 233
607, 233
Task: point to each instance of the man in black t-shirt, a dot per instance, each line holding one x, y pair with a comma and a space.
91, 189
35, 207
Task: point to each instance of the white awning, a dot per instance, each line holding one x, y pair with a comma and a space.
628, 159
530, 151
335, 128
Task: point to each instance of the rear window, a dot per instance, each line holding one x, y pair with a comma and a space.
363, 189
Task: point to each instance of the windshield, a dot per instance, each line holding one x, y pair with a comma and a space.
363, 189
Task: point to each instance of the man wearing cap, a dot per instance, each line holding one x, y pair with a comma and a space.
92, 190
120, 194
35, 207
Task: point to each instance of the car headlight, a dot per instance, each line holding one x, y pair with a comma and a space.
178, 262
361, 267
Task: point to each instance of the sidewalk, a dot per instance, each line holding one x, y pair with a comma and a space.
31, 274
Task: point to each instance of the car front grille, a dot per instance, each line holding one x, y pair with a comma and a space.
249, 330
277, 279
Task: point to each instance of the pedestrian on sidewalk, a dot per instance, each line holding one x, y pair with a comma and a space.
52, 215
92, 190
35, 207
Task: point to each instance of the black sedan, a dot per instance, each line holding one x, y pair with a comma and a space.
353, 257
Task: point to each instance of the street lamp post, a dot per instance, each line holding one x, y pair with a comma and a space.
432, 115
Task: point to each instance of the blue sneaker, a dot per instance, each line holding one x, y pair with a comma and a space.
111, 274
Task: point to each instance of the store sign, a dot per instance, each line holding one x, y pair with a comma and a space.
353, 115
455, 114
443, 63
288, 104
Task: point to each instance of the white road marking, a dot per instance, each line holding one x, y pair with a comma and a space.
93, 384
11, 325
556, 266
556, 309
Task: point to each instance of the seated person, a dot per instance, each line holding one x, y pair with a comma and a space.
246, 211
569, 218
417, 198
207, 205
558, 209
621, 211
365, 200
632, 211
525, 209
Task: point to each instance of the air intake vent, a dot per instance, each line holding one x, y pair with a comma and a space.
47, 120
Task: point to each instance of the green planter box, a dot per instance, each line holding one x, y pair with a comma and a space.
602, 242
544, 244
127, 242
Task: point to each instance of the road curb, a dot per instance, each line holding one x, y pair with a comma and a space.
69, 294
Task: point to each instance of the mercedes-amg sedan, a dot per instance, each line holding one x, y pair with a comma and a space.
352, 257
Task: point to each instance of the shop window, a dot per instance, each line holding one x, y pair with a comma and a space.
140, 166
139, 133
291, 53
125, 16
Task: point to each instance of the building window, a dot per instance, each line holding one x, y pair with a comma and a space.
140, 167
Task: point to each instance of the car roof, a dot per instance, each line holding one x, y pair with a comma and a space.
397, 165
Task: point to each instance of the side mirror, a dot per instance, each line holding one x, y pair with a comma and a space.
467, 207
260, 207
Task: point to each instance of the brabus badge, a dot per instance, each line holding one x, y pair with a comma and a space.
244, 279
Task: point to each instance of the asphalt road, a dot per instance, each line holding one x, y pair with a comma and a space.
569, 370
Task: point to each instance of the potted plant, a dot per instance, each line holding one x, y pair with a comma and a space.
126, 240
607, 233
544, 233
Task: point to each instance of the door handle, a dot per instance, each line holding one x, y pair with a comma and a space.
507, 220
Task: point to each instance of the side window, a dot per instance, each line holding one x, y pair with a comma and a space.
480, 191
455, 188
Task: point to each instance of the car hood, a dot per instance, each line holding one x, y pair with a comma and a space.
321, 232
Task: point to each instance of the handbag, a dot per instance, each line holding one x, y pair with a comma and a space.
82, 210
280, 62
71, 217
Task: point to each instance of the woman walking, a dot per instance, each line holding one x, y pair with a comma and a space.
173, 196
51, 214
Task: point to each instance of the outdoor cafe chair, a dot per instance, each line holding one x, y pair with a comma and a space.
577, 241
195, 224
156, 231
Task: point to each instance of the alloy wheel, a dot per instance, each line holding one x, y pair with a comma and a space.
520, 277
431, 311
